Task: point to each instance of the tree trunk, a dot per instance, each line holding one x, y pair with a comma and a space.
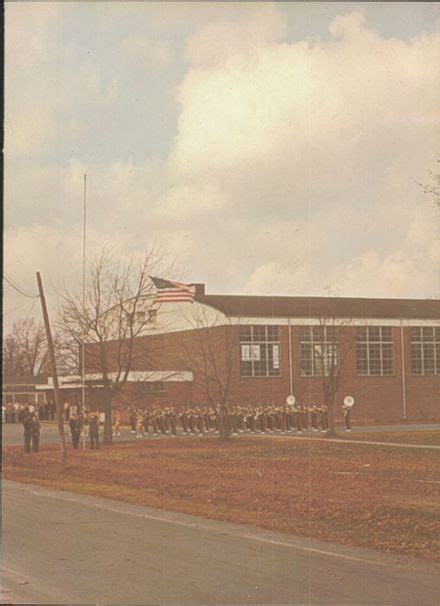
108, 425
331, 420
226, 427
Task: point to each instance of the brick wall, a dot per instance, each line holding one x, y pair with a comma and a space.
378, 398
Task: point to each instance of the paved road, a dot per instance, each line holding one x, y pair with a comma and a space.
13, 432
61, 548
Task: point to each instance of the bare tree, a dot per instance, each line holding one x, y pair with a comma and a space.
117, 311
12, 363
25, 349
330, 343
210, 352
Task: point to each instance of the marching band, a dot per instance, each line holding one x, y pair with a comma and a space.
196, 420
200, 420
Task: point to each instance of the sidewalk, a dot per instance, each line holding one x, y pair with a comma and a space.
391, 428
339, 441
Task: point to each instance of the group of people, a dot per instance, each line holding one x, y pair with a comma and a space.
192, 420
15, 412
203, 419
83, 427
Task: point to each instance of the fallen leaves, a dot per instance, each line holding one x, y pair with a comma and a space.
377, 497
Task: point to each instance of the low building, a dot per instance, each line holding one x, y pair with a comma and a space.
19, 391
23, 389
261, 349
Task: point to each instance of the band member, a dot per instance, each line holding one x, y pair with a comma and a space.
347, 416
212, 419
165, 421
161, 422
26, 420
146, 421
172, 421
184, 421
253, 419
35, 432
289, 418
304, 420
314, 417
75, 430
282, 419
139, 426
117, 423
199, 420
297, 418
323, 411
264, 421
191, 421
94, 430
132, 417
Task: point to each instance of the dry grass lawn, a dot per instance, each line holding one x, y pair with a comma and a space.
356, 494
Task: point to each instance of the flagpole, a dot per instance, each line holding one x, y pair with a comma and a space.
83, 384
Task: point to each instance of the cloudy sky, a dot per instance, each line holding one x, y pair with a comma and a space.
268, 148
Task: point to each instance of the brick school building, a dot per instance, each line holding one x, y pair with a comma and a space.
261, 349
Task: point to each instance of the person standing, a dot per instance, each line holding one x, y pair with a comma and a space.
347, 416
139, 425
26, 420
323, 411
117, 425
173, 421
75, 430
94, 430
184, 421
304, 418
35, 432
132, 417
314, 417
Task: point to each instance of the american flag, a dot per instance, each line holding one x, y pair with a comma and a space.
173, 292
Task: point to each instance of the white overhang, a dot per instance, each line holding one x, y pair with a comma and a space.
134, 376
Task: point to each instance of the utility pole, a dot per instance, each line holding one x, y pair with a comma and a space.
56, 387
83, 357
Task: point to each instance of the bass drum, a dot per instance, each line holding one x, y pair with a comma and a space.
349, 401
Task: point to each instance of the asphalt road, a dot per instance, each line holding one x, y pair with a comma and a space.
13, 432
61, 548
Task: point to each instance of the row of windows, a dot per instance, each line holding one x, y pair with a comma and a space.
320, 350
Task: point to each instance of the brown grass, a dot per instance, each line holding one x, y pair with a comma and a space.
380, 497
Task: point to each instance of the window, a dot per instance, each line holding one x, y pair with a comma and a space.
149, 316
155, 387
318, 350
374, 348
259, 351
425, 350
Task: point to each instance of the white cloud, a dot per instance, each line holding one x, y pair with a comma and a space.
332, 133
294, 166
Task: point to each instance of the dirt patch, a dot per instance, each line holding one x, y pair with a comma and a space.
363, 495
